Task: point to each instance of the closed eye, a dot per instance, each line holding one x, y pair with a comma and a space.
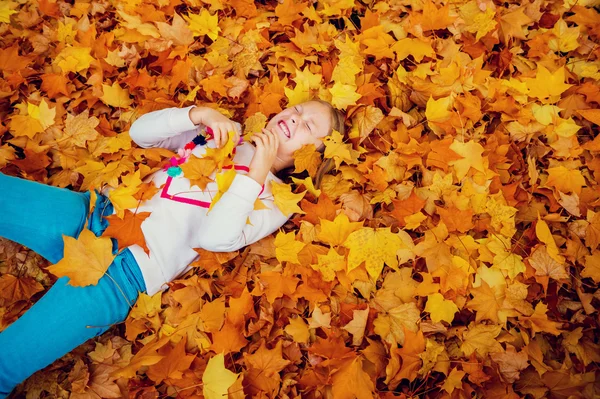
307, 125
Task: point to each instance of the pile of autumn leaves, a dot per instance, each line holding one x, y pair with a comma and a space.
453, 251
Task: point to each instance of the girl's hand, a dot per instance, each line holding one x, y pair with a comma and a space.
267, 144
218, 123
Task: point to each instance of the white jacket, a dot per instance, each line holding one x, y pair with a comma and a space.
179, 219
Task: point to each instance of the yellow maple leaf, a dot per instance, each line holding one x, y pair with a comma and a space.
438, 110
565, 180
285, 199
566, 127
545, 114
74, 59
434, 18
427, 286
481, 338
418, 48
66, 32
566, 38
539, 322
336, 232
343, 95
308, 183
440, 308
42, 113
224, 180
287, 248
413, 221
378, 42
204, 24
336, 7
374, 247
346, 70
357, 326
216, 378
80, 128
364, 122
146, 306
592, 267
352, 381
287, 11
391, 325
546, 84
486, 301
511, 25
477, 21
543, 233
298, 329
134, 22
453, 381
471, 152
329, 264
178, 31
6, 10
115, 96
502, 214
306, 83
511, 263
336, 148
222, 155
25, 125
215, 84
199, 170
86, 259
307, 158
253, 124
122, 197
545, 265
113, 58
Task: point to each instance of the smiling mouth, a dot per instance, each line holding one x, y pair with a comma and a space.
283, 126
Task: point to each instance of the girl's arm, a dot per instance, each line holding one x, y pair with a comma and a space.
173, 128
170, 128
225, 229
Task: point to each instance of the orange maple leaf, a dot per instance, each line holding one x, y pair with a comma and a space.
127, 231
174, 362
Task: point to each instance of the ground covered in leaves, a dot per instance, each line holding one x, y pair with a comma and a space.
451, 252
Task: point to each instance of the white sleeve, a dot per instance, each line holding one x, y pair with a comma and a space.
225, 229
169, 128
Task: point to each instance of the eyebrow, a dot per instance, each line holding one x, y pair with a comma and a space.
311, 119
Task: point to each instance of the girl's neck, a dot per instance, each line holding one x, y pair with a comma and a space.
278, 164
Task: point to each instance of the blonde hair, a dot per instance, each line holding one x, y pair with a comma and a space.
338, 120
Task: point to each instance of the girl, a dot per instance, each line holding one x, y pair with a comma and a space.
37, 215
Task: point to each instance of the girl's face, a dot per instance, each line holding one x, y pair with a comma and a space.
306, 123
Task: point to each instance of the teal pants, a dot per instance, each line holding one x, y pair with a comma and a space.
37, 215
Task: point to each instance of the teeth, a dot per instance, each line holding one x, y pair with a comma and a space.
285, 129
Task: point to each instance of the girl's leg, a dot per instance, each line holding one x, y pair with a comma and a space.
64, 318
36, 215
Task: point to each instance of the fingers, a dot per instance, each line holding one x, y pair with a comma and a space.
273, 139
267, 139
220, 133
258, 138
